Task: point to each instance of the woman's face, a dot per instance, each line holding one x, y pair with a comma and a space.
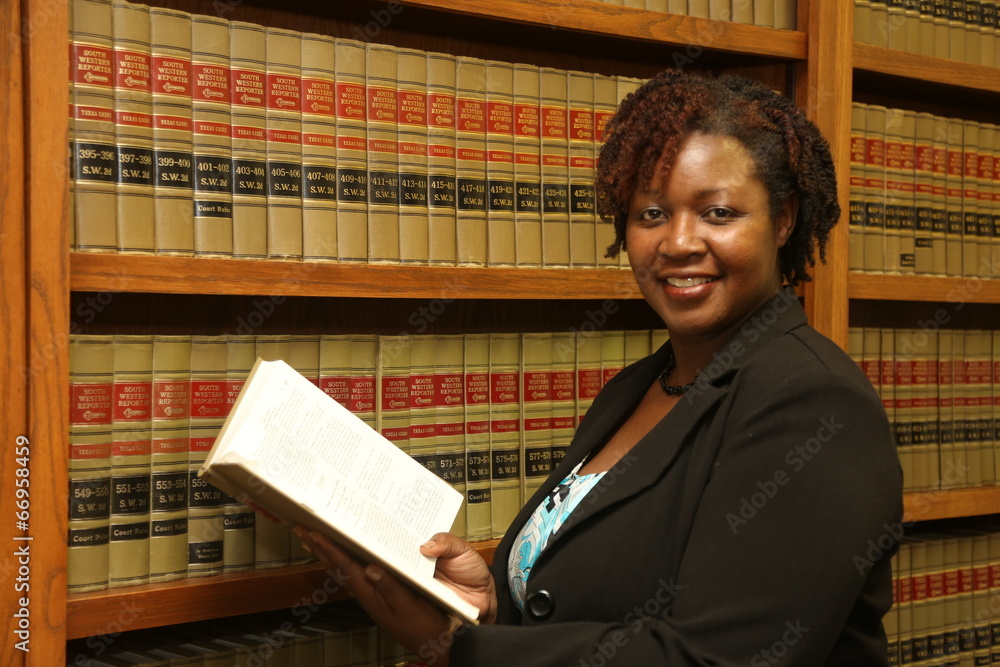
704, 248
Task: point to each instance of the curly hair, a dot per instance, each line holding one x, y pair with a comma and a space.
790, 154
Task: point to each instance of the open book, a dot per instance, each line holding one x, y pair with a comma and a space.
292, 451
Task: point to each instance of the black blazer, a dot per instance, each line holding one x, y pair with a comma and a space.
744, 529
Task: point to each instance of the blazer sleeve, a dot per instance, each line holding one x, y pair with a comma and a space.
788, 548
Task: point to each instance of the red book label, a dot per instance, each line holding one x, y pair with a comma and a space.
422, 391
477, 388
440, 110
382, 105
581, 124
208, 399
537, 386
90, 403
503, 388
91, 65
362, 392
500, 117
471, 115
133, 401
284, 92
211, 83
171, 399
171, 76
247, 88
319, 97
588, 383
554, 122
527, 120
132, 71
395, 393
412, 108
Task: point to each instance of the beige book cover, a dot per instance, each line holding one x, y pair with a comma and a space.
951, 619
319, 149
352, 151
970, 200
470, 161
283, 111
925, 11
335, 367
625, 86
899, 239
392, 381
742, 11
966, 633
582, 197
304, 357
553, 95
527, 167
887, 387
449, 419
130, 460
248, 91
996, 401
536, 410
325, 469
988, 36
133, 127
383, 153
987, 433
986, 210
657, 5
500, 209
272, 541
924, 239
677, 6
936, 593
981, 596
414, 234
505, 432
700, 8
950, 475
91, 406
212, 121
896, 25
942, 29
973, 22
564, 404
994, 261
939, 198
891, 619
363, 387
636, 4
880, 22
875, 232
605, 105
239, 520
785, 15
442, 192
476, 380
925, 406
719, 10
904, 605
170, 44
209, 408
911, 27
956, 30
612, 355
954, 175
960, 410
764, 12
920, 605
973, 390
871, 356
589, 379
92, 127
422, 367
636, 345
856, 251
168, 534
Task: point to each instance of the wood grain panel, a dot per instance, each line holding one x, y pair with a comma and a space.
920, 69
923, 288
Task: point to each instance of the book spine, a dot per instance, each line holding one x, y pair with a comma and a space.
952, 617
896, 25
133, 127
555, 168
414, 234
582, 197
970, 200
449, 419
939, 197
92, 127
785, 15
91, 402
995, 369
272, 541
248, 90
170, 38
626, 85
423, 366
605, 104
363, 387
470, 161
319, 149
212, 137
657, 5
946, 433
880, 22
505, 434
911, 27
924, 238
925, 11
284, 143
168, 534
335, 367
564, 404
383, 154
476, 384
942, 28
393, 382
994, 268
130, 460
239, 520
905, 604
612, 354
956, 30
899, 186
442, 187
973, 21
984, 354
973, 382
920, 603
984, 225
875, 261
960, 409
700, 8
994, 551
982, 654
206, 521
677, 7
588, 370
763, 12
304, 357
925, 407
536, 410
856, 252
891, 619
988, 36
500, 230
719, 10
352, 151
527, 167
954, 241
741, 11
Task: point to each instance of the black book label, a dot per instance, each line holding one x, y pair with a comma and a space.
169, 491
413, 190
212, 209
249, 178
174, 169
202, 494
125, 532
874, 214
506, 464
130, 494
555, 198
857, 210
319, 183
352, 185
89, 498
452, 468
204, 553
135, 166
478, 496
501, 195
529, 197
383, 188
95, 162
168, 527
284, 179
238, 521
471, 194
558, 454
582, 199
478, 466
88, 537
442, 191
212, 173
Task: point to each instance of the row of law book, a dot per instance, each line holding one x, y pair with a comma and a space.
197, 136
946, 583
941, 392
309, 635
769, 13
489, 413
962, 30
924, 194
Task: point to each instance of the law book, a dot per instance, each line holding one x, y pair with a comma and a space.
131, 442
966, 632
392, 382
936, 594
956, 30
996, 401
904, 606
856, 251
555, 168
988, 35
875, 205
272, 540
954, 175
206, 519
925, 407
283, 112
948, 461
891, 619
895, 27
564, 403
527, 167
449, 419
952, 617
319, 149
212, 137
657, 5
612, 354
764, 12
994, 551
994, 261
304, 357
383, 153
626, 85
133, 127
605, 105
363, 386
335, 367
238, 535
973, 26
942, 29
939, 198
505, 431
887, 391
500, 194
920, 603
476, 380
91, 401
536, 410
170, 44
324, 469
168, 530
911, 27
92, 127
470, 162
925, 12
979, 381
414, 234
582, 196
442, 187
422, 365
785, 15
677, 6
248, 90
923, 199
880, 22
700, 8
986, 211
899, 239
981, 602
741, 11
960, 410
719, 10
970, 200
352, 151
589, 379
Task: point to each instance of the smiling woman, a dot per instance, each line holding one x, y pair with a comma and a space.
718, 493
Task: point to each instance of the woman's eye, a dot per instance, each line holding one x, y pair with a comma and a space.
651, 214
719, 213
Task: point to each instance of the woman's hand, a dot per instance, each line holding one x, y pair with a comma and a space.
463, 569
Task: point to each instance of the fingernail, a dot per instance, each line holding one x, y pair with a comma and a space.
373, 574
429, 544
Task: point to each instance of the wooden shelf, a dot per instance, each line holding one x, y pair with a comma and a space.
922, 288
598, 18
922, 69
190, 275
953, 504
199, 599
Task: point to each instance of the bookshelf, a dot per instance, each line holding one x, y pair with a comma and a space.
41, 277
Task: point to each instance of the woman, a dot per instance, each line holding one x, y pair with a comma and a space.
721, 498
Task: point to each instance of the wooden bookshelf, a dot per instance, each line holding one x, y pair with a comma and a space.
951, 504
920, 69
878, 287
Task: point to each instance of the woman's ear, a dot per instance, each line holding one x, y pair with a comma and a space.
785, 224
